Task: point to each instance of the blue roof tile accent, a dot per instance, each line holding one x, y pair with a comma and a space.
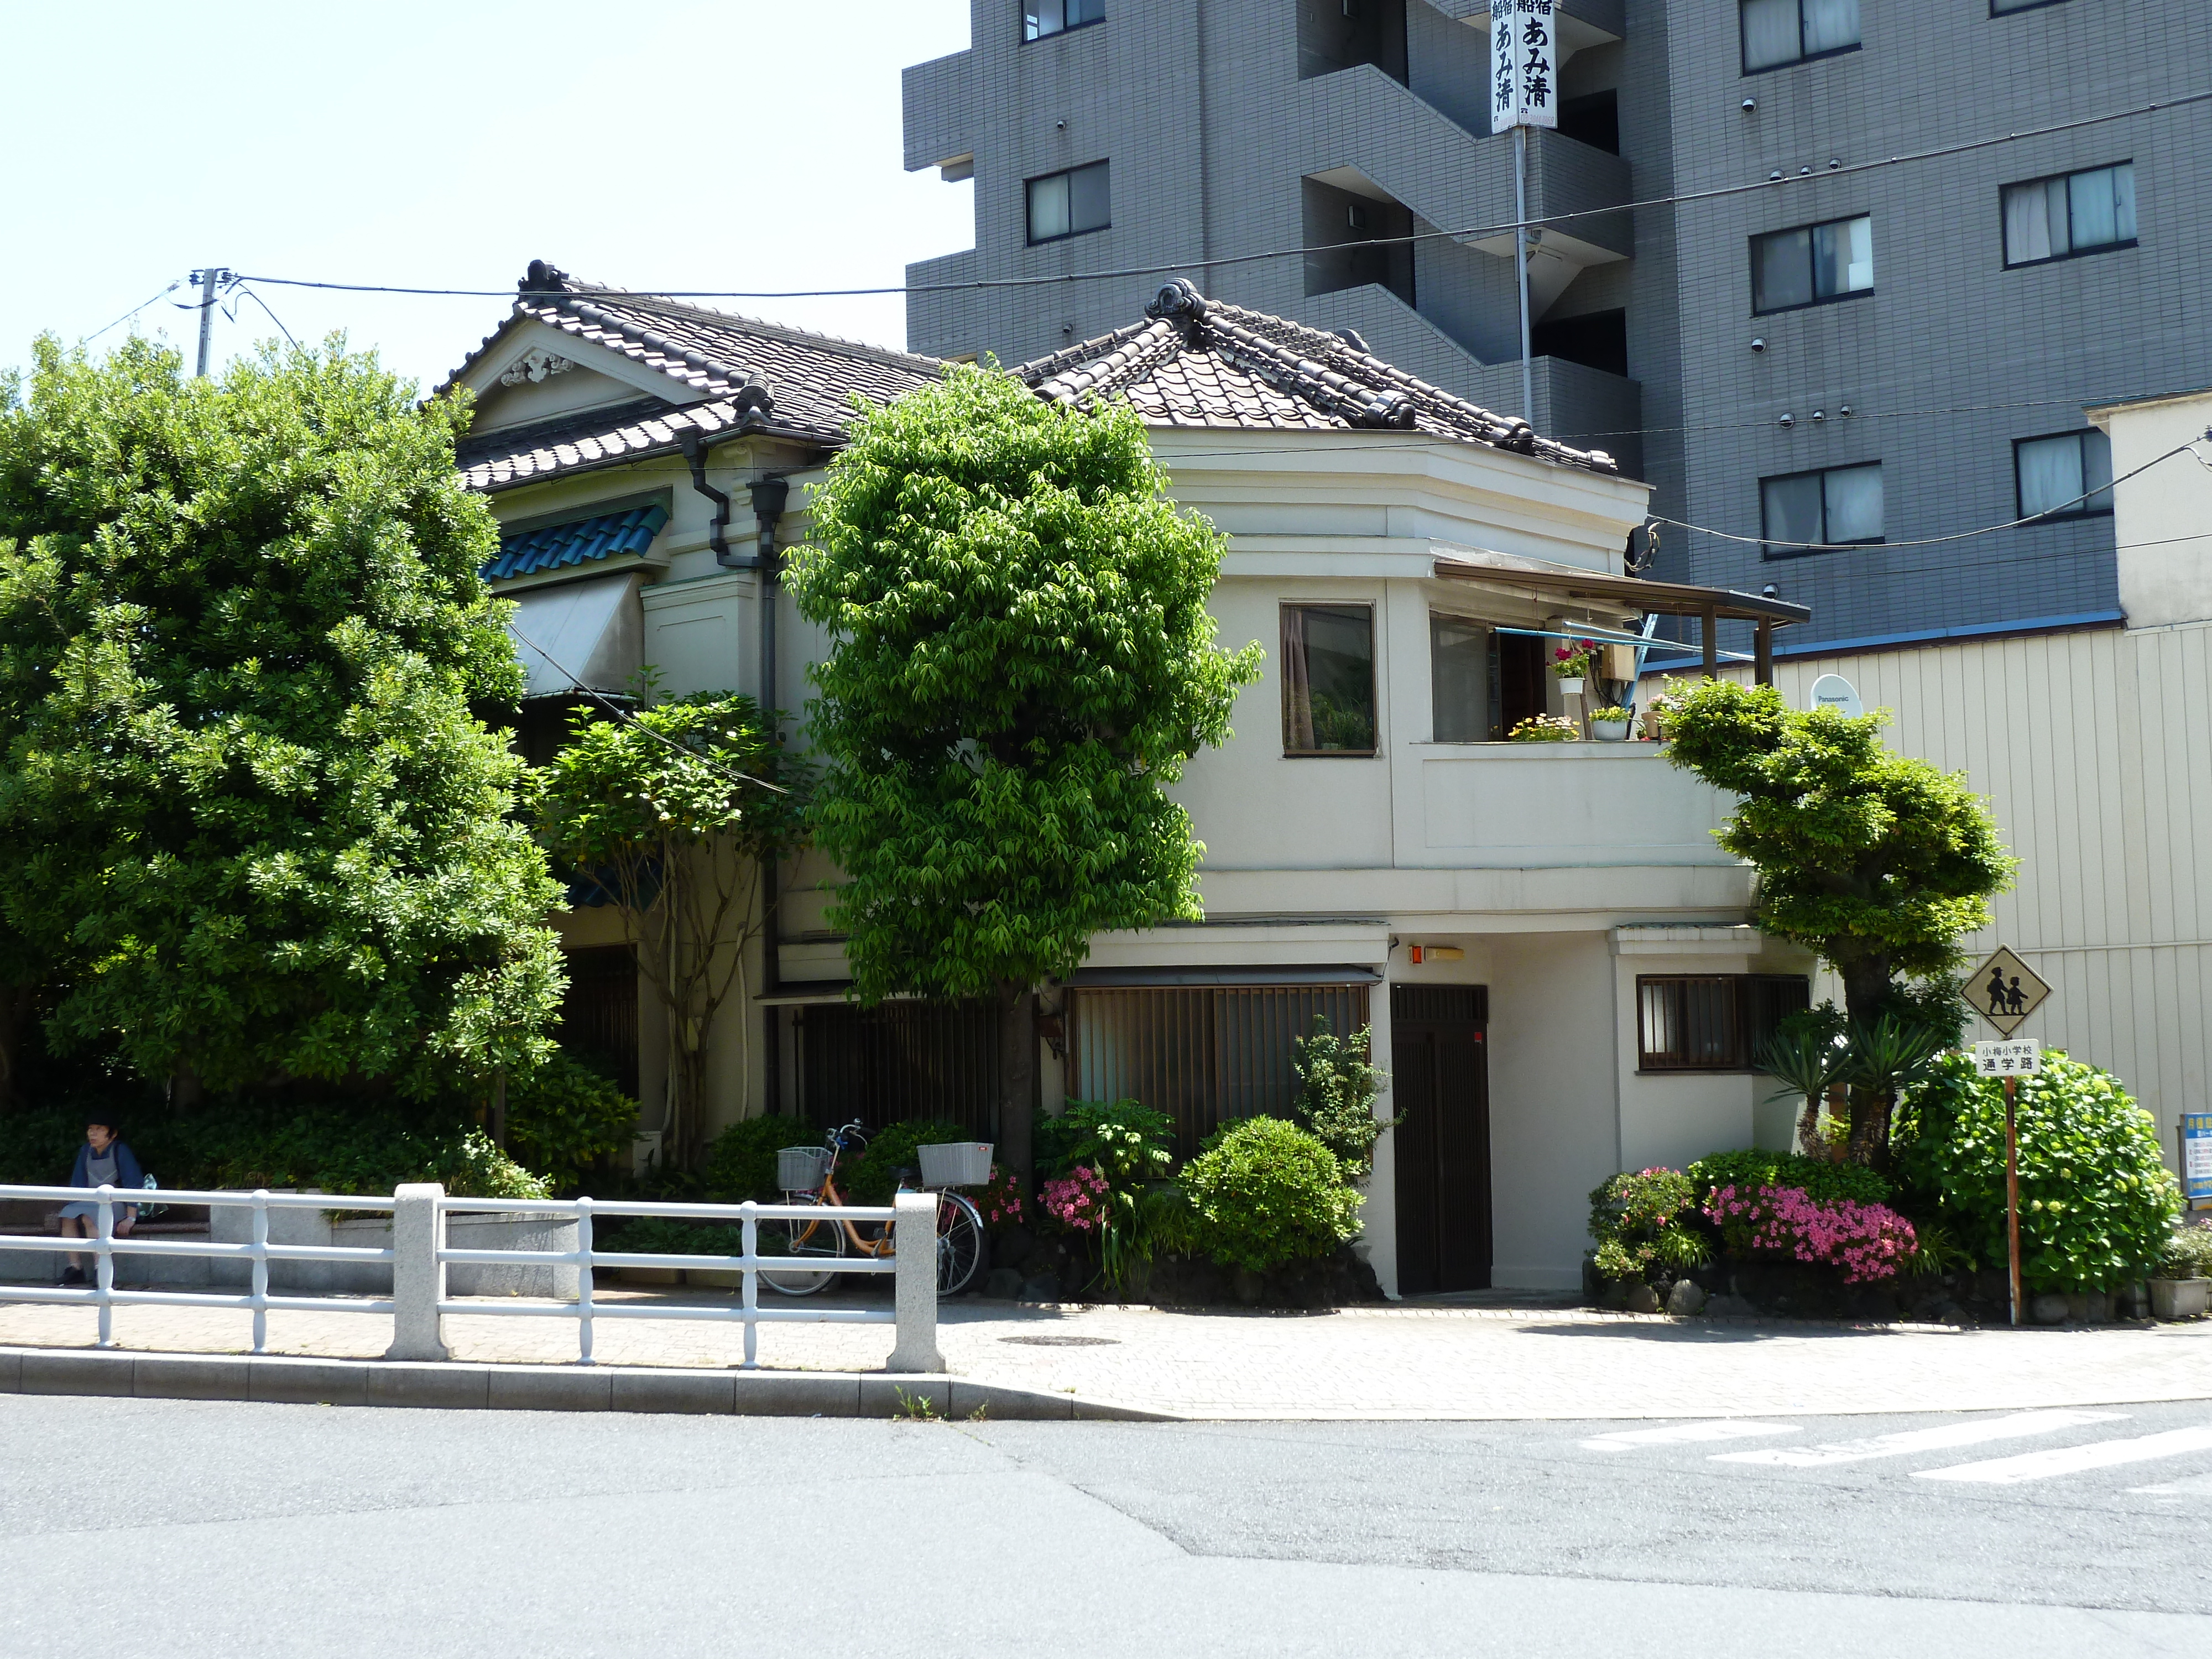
604, 537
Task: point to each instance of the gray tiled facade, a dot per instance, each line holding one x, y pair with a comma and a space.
1221, 148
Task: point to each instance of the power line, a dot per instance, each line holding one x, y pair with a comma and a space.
89, 339
1499, 228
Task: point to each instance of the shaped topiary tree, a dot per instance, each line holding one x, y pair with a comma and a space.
1021, 661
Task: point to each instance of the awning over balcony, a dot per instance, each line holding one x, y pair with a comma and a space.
589, 633
1713, 605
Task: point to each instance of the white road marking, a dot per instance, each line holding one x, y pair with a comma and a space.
1972, 1432
1675, 1434
2072, 1460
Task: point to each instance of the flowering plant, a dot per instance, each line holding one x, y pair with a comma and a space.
1638, 1222
1545, 728
1078, 1200
1001, 1202
1572, 658
1867, 1240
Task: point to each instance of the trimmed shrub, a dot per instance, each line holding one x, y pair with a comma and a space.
2097, 1203
2187, 1253
1264, 1193
1852, 1183
741, 1162
564, 1117
1637, 1221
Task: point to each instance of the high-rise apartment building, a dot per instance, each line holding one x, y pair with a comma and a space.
1796, 347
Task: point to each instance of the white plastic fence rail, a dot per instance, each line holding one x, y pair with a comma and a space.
103, 1245
419, 1257
920, 1262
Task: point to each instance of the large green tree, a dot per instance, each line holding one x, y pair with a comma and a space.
1021, 660
679, 815
1879, 862
253, 832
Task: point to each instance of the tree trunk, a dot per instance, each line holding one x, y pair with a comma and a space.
1017, 1079
1866, 988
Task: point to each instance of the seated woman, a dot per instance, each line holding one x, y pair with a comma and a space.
103, 1161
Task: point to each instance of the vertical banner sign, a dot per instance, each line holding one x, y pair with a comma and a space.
1523, 65
2196, 1159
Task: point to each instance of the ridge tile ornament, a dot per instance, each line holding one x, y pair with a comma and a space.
2004, 990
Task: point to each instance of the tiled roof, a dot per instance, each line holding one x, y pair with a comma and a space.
601, 538
1198, 363
758, 377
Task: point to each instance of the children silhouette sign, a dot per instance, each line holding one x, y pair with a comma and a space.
2004, 990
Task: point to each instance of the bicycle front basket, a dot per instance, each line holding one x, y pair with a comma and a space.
956, 1164
801, 1168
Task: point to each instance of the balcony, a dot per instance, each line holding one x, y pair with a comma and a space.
939, 99
1556, 806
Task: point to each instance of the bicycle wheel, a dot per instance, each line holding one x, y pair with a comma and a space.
810, 1238
961, 1248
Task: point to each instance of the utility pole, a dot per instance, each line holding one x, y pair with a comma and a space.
207, 279
1524, 92
1520, 266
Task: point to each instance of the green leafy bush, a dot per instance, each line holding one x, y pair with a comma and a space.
741, 1163
2188, 1254
1337, 1088
655, 1235
238, 1147
1126, 1141
1749, 1169
2097, 1201
872, 1178
1638, 1222
1264, 1193
564, 1117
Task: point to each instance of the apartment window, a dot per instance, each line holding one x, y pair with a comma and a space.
1068, 203
1329, 679
1712, 1022
1460, 668
1044, 17
2073, 213
1778, 32
1812, 265
1802, 511
2067, 476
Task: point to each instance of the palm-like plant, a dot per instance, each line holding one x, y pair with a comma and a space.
1807, 1056
1879, 1058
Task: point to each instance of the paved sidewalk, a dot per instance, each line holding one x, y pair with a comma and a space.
1396, 1362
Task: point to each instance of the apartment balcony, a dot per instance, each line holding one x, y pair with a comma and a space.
939, 100
1528, 806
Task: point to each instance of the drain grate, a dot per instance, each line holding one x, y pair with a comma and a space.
1065, 1341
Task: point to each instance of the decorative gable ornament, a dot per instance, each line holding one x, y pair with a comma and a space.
534, 366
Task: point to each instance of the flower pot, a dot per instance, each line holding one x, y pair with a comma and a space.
1654, 726
1609, 731
2180, 1298
1572, 688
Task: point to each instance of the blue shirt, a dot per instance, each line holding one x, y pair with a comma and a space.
127, 1172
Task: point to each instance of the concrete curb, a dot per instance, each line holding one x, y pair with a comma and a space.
455, 1386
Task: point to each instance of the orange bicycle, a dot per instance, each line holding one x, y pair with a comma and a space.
808, 1175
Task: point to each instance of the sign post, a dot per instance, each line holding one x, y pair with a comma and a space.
1524, 79
2012, 1060
2196, 1159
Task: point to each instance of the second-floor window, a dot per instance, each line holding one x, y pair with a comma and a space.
2067, 476
1778, 32
1044, 17
1068, 203
1812, 265
2073, 213
1329, 679
1804, 511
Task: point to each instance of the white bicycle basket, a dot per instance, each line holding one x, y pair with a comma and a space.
801, 1168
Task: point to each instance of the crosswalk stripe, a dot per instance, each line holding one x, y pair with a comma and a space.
2072, 1460
1972, 1432
1727, 1428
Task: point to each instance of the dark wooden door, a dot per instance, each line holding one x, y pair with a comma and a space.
1441, 1082
1522, 662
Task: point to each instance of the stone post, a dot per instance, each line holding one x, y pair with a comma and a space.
418, 1278
915, 1238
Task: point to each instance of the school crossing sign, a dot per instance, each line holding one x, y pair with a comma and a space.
2004, 990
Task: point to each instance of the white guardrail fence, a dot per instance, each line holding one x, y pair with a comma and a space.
419, 1257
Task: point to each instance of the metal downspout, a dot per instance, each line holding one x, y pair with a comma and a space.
768, 496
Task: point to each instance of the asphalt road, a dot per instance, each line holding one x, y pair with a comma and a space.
180, 1528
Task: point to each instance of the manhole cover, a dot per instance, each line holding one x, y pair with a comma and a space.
1066, 1341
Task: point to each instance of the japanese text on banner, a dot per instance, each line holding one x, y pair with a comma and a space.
1523, 63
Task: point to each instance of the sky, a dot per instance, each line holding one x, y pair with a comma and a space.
735, 145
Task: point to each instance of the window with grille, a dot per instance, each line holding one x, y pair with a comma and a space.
1712, 1022
2073, 213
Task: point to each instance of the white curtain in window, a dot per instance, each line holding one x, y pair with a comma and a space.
1770, 33
2124, 202
2050, 474
2035, 221
1791, 508
1854, 503
1048, 208
2089, 216
1858, 272
1831, 25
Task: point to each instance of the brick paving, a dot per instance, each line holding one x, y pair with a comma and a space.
1396, 1362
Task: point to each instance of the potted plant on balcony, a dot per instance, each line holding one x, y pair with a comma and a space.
1545, 728
1664, 702
1608, 723
1571, 662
